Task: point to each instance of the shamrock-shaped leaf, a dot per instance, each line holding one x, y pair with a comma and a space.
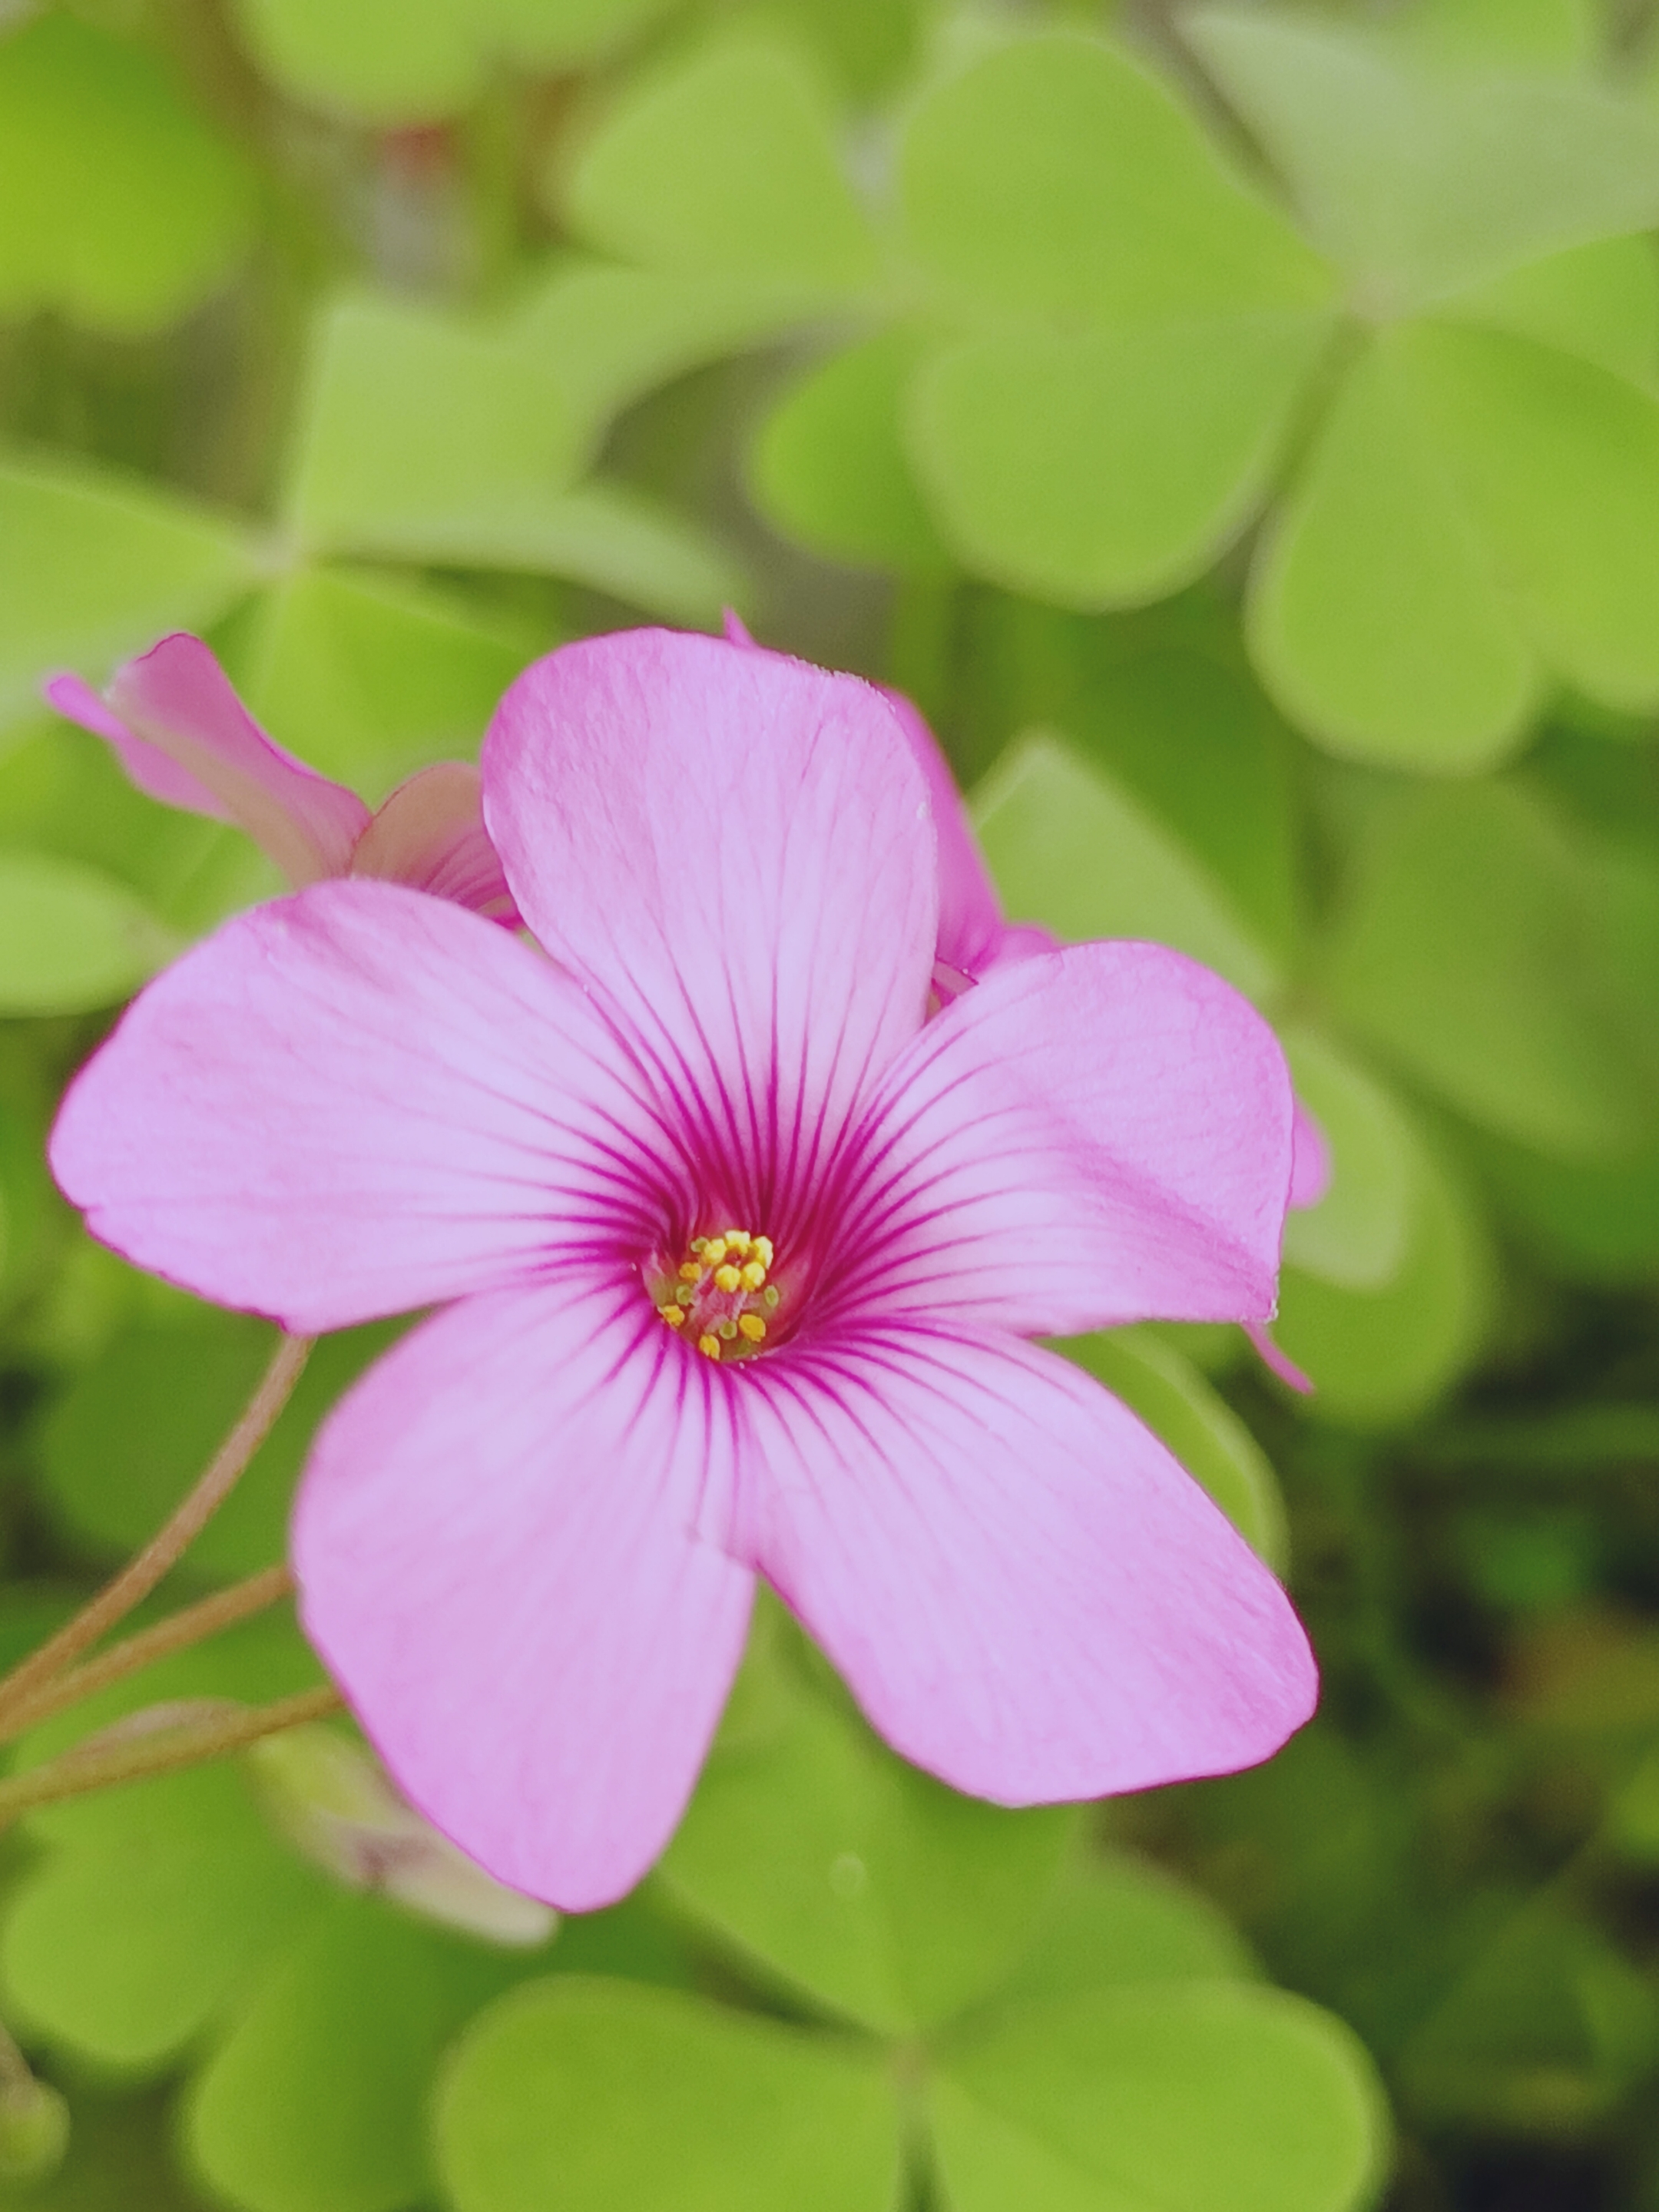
411, 414
435, 440
1183, 2098
608, 334
1118, 1920
829, 467
1137, 327
1465, 949
723, 163
119, 205
71, 937
1073, 850
854, 1879
134, 1430
1380, 1355
157, 1901
1421, 180
409, 61
604, 2098
1356, 1237
92, 566
368, 675
315, 2100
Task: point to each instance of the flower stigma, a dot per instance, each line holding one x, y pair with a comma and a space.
719, 1297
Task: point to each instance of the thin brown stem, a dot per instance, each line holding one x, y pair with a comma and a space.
141, 1573
177, 1633
137, 1757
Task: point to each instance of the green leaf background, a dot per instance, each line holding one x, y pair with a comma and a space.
1238, 428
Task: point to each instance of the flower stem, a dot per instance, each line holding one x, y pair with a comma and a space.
177, 1633
141, 1573
137, 1757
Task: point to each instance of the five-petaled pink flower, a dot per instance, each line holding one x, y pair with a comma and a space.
738, 1253
183, 736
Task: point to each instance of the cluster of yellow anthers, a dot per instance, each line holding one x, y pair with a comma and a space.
723, 1291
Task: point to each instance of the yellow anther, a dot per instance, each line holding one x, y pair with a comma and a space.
753, 1275
674, 1316
769, 1295
728, 1277
713, 1251
736, 1239
762, 1249
690, 1271
709, 1346
699, 1243
752, 1327
727, 1329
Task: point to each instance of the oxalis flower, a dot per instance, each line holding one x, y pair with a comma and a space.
738, 1253
177, 728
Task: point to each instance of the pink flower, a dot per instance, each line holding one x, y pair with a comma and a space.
737, 1253
184, 737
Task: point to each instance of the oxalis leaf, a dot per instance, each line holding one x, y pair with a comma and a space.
1161, 2099
94, 565
408, 61
119, 205
833, 1869
1071, 849
1082, 438
603, 2098
1420, 180
71, 937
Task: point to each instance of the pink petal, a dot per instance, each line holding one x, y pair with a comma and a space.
1027, 1595
1277, 1362
495, 1552
1310, 1160
972, 934
354, 1101
734, 850
430, 835
151, 769
1096, 1135
184, 737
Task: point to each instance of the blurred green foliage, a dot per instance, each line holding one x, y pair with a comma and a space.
1238, 427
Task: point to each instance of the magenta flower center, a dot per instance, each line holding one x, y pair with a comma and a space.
719, 1294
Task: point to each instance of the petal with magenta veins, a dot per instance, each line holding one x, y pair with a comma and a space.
430, 835
1090, 1137
972, 933
184, 737
357, 1101
1025, 1592
495, 1551
735, 850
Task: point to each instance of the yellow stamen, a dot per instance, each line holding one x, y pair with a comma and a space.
690, 1271
709, 1346
753, 1275
762, 1249
727, 1329
752, 1327
769, 1295
737, 1240
713, 1251
728, 1277
674, 1316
